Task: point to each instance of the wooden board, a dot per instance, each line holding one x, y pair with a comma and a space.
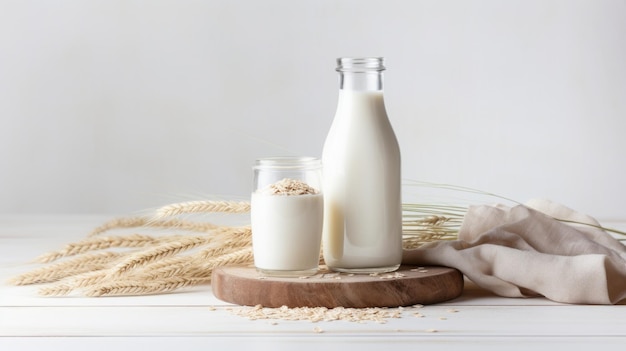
409, 285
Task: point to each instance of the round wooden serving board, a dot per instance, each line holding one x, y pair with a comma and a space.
409, 285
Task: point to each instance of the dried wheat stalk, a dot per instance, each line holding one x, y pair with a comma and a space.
158, 264
133, 287
119, 223
426, 223
56, 290
73, 283
202, 207
166, 249
98, 243
227, 252
240, 256
228, 238
136, 222
78, 265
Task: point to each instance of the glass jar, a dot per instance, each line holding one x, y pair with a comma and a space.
287, 215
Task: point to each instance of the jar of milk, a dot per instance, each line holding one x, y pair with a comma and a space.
361, 175
286, 215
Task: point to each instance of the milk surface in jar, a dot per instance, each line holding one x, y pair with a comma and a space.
362, 176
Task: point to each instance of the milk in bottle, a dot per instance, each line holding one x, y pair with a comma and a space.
362, 230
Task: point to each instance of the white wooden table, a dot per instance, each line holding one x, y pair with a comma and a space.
187, 320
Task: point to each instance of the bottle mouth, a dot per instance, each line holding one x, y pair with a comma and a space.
288, 162
360, 64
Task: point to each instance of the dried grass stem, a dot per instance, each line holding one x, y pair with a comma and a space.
202, 207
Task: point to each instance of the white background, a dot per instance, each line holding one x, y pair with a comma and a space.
117, 106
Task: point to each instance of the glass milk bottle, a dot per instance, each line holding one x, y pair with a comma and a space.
361, 176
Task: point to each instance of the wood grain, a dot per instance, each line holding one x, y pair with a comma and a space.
409, 285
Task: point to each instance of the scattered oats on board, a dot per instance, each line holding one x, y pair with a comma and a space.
332, 276
392, 275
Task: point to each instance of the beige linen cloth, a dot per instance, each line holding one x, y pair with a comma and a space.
523, 251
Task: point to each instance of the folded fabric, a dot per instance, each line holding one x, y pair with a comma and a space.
524, 251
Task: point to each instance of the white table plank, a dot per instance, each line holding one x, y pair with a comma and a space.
501, 321
315, 343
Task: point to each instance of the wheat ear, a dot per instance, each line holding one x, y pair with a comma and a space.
164, 268
226, 236
192, 267
202, 207
80, 264
135, 222
239, 238
71, 283
98, 243
240, 256
119, 223
165, 249
219, 250
143, 288
56, 290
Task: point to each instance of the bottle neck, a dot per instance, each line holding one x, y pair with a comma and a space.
361, 81
361, 74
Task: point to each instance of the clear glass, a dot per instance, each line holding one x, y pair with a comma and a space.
362, 176
287, 215
360, 74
